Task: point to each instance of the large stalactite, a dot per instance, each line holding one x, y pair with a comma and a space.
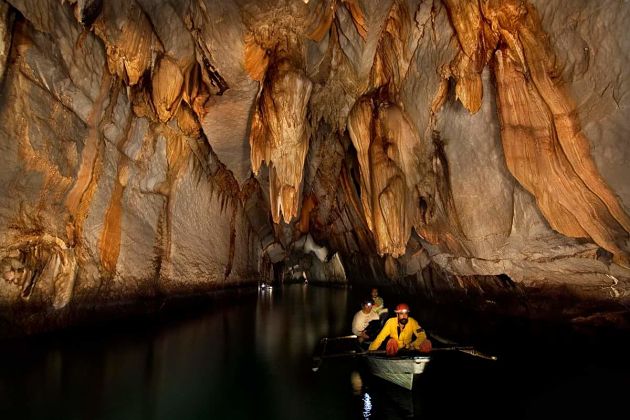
279, 137
542, 139
389, 158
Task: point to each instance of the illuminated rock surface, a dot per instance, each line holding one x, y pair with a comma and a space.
159, 148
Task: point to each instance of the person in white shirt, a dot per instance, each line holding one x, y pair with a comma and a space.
361, 322
379, 306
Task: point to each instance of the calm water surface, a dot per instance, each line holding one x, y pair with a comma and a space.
250, 357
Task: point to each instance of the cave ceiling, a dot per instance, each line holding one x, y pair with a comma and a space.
151, 146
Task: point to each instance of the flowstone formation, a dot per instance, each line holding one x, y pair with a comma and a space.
459, 149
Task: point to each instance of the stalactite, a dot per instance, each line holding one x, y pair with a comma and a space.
309, 203
256, 58
231, 251
388, 151
477, 42
110, 236
360, 130
33, 259
279, 136
324, 15
110, 240
544, 145
166, 88
393, 54
80, 196
130, 43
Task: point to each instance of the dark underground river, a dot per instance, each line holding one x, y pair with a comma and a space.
248, 355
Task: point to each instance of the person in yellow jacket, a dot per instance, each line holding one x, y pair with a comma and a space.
402, 332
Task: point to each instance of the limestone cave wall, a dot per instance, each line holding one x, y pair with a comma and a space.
155, 148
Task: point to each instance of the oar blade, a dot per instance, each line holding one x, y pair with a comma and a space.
477, 353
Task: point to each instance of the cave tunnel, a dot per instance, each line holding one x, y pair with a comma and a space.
198, 198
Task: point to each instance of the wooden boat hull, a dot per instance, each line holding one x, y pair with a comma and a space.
399, 370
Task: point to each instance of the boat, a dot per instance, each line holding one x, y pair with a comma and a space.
400, 370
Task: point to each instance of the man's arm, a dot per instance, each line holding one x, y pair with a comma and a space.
355, 325
418, 331
380, 337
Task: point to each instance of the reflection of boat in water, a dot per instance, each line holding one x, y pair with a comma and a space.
382, 399
400, 370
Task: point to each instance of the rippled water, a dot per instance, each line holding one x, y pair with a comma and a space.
250, 357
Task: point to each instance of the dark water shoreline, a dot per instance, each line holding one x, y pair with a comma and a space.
24, 321
28, 319
486, 327
248, 354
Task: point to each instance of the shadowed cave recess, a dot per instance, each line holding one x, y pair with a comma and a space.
463, 152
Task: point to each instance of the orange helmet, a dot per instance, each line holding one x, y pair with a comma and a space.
402, 308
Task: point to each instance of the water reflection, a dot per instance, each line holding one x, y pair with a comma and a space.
250, 357
240, 358
380, 399
367, 405
356, 382
302, 316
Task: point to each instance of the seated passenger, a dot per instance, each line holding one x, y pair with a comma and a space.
365, 324
379, 306
402, 332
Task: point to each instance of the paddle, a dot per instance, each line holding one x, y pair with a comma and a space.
359, 352
464, 349
318, 360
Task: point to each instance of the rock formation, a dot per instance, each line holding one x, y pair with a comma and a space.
159, 148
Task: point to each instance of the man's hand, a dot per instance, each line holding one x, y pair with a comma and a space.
425, 346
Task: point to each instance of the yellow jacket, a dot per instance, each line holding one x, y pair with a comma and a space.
405, 339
